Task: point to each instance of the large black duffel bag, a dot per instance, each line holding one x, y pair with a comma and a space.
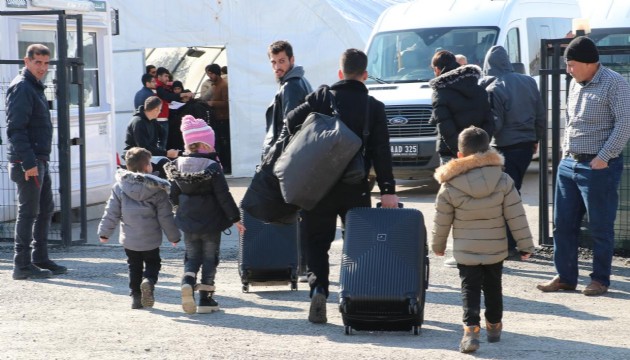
263, 198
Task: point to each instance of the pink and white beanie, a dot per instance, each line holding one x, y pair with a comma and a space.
196, 130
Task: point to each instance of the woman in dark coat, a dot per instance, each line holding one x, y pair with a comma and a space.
458, 102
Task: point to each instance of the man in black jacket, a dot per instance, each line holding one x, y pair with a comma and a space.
293, 89
144, 132
320, 223
29, 131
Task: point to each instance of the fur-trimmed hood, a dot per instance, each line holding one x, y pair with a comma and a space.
459, 79
139, 186
476, 175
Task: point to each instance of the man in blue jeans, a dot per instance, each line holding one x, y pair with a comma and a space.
597, 130
29, 130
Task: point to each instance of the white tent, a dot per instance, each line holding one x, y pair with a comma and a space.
319, 31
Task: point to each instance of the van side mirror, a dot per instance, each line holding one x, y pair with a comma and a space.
519, 68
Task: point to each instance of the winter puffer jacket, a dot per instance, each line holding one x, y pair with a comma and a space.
477, 198
459, 102
519, 114
139, 202
29, 129
201, 194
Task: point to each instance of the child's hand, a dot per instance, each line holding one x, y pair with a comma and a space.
240, 227
103, 239
439, 253
525, 256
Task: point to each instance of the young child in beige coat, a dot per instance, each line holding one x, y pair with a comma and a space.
476, 199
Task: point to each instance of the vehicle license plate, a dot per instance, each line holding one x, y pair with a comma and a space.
404, 149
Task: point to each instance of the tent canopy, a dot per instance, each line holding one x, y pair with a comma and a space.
235, 33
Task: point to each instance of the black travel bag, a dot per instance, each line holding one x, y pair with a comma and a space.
384, 270
268, 253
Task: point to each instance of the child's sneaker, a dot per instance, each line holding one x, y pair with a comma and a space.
146, 288
470, 341
206, 303
188, 293
135, 301
494, 331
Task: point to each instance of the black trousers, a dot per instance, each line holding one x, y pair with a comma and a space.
143, 264
222, 132
320, 226
474, 279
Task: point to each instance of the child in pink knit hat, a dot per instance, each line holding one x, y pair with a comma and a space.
205, 208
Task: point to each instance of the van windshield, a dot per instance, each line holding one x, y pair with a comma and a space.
405, 56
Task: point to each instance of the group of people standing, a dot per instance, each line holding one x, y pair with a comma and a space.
177, 102
489, 123
478, 202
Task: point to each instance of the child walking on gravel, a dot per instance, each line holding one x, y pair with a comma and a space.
205, 208
139, 202
476, 198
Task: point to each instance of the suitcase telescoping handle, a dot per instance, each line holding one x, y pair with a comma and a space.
400, 205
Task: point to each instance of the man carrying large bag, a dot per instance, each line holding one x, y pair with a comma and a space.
351, 99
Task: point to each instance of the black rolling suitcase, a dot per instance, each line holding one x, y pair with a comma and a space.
384, 270
268, 253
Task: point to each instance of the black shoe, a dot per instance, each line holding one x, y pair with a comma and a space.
147, 299
53, 267
136, 302
31, 272
206, 303
317, 312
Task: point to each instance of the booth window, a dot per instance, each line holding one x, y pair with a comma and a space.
90, 59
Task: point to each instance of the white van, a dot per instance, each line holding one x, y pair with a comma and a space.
407, 35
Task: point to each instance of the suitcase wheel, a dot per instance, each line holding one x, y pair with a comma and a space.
294, 286
245, 288
415, 329
414, 309
348, 329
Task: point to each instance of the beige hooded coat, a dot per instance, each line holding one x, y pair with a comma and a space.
477, 198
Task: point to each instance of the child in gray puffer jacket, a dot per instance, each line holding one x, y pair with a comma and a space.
139, 202
205, 208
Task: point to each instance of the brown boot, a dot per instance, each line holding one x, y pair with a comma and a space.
493, 331
555, 285
470, 341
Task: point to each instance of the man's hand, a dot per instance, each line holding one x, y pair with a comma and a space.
597, 163
172, 153
240, 227
186, 96
32, 172
525, 256
389, 201
535, 148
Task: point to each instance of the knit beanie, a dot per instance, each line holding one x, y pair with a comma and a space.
196, 130
582, 49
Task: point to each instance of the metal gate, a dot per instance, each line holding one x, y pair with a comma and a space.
553, 84
69, 74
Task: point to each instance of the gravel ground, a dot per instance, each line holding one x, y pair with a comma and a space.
86, 313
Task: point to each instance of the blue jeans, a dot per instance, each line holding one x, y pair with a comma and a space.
34, 214
202, 251
516, 163
580, 189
